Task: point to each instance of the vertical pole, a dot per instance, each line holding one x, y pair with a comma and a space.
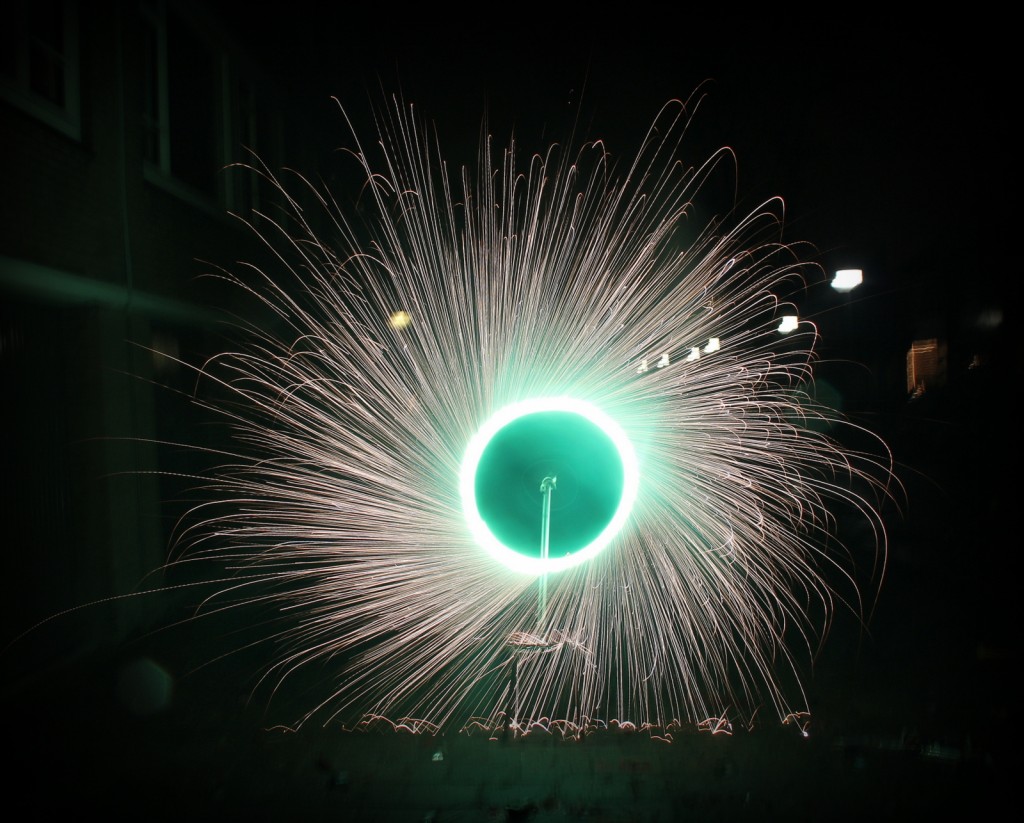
513, 712
547, 486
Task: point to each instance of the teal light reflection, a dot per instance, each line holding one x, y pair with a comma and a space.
506, 461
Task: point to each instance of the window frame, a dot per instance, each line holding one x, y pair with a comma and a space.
65, 117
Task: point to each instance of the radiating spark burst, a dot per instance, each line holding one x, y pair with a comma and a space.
553, 275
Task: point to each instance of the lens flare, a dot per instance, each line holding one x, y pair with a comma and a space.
551, 275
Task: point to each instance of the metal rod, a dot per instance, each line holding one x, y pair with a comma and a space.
547, 487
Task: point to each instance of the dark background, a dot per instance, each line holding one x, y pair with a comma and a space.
893, 150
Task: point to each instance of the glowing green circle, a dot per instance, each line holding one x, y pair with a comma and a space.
567, 420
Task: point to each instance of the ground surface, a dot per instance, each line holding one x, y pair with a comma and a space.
90, 739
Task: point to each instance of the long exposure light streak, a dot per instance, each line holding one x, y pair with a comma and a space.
404, 325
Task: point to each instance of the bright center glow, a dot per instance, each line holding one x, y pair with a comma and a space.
558, 411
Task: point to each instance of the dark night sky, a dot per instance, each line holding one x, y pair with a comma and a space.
887, 144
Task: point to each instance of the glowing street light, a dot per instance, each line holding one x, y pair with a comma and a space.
788, 324
847, 280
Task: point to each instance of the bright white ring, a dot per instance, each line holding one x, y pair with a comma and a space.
474, 452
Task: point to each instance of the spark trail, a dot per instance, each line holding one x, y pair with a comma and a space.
456, 293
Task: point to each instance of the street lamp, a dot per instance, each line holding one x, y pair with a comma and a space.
846, 280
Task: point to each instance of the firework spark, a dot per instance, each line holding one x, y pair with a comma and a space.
456, 294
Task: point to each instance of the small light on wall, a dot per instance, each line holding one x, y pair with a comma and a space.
399, 320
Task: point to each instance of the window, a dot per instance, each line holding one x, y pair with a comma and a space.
181, 108
200, 112
926, 366
39, 61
